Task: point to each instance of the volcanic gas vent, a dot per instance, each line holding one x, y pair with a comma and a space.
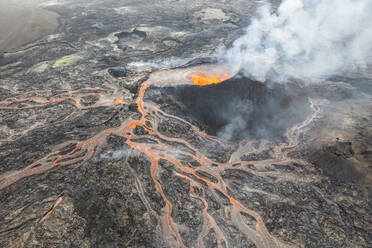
235, 109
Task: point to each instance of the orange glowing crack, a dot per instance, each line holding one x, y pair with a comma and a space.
55, 205
118, 101
201, 79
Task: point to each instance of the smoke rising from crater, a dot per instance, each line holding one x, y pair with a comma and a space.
311, 39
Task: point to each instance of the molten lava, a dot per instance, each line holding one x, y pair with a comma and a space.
201, 79
74, 152
118, 101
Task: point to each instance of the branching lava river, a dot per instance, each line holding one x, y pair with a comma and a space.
204, 178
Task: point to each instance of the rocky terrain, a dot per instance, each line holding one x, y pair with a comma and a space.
106, 139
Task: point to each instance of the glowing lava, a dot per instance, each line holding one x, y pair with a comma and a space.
201, 79
118, 102
163, 149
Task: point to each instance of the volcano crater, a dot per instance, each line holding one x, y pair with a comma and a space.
235, 109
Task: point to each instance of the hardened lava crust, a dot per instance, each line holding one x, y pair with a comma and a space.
176, 150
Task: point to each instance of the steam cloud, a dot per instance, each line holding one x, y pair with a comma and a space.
311, 39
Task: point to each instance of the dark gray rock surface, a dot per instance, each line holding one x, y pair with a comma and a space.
83, 165
117, 71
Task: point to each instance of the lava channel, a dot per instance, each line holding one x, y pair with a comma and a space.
206, 177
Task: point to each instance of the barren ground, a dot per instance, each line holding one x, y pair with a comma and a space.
90, 160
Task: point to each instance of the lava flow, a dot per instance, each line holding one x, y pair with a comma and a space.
201, 79
204, 179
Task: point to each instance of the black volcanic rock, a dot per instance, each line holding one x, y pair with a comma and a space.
343, 149
118, 71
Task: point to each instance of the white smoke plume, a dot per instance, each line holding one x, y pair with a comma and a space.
309, 39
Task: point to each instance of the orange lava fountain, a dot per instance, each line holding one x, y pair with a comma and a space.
201, 79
